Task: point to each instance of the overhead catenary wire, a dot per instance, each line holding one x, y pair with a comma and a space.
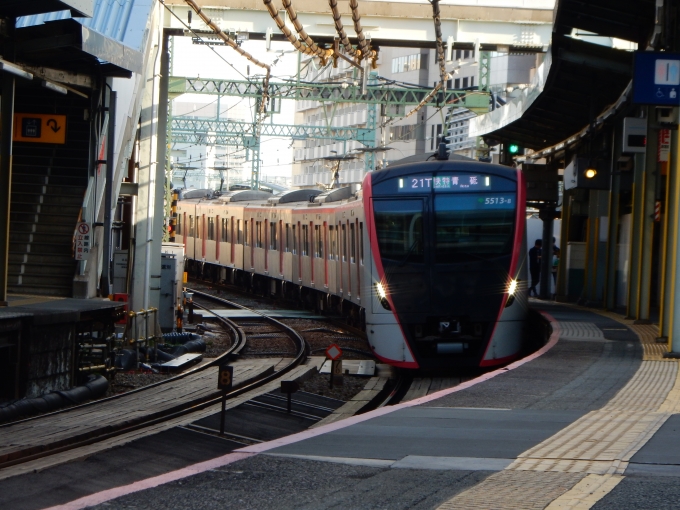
230, 42
324, 54
438, 110
366, 51
340, 29
419, 106
436, 15
274, 13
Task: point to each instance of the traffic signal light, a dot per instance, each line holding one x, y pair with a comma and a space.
172, 228
510, 150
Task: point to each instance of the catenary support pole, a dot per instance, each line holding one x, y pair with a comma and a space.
7, 119
647, 221
548, 217
108, 196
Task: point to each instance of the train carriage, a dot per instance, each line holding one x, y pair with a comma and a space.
447, 243
428, 256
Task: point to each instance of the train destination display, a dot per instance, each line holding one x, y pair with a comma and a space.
464, 182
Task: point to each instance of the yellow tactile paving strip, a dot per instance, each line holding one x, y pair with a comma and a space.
647, 390
582, 463
600, 442
672, 402
586, 493
514, 490
648, 333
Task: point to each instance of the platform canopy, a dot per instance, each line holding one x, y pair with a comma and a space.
630, 20
578, 79
69, 45
16, 8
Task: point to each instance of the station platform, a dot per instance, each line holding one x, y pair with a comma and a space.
40, 334
588, 421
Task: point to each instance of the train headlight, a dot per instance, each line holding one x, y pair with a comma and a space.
382, 296
512, 289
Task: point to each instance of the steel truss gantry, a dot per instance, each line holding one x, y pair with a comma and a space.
239, 133
232, 132
386, 95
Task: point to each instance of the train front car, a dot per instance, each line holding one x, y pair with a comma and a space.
448, 264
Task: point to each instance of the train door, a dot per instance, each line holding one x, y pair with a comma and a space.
266, 246
201, 235
280, 248
324, 244
217, 237
359, 230
330, 257
232, 240
183, 229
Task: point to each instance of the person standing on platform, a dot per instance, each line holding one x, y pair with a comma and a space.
555, 262
535, 266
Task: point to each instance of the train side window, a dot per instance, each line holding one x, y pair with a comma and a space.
280, 232
331, 237
305, 240
288, 237
258, 234
361, 242
239, 236
272, 236
319, 241
191, 226
223, 230
179, 224
246, 239
337, 243
353, 243
294, 250
211, 229
344, 243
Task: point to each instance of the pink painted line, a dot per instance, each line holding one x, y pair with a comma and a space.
149, 483
244, 453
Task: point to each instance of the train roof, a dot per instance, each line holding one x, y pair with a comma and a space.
428, 156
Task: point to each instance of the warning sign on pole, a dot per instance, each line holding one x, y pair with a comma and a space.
83, 240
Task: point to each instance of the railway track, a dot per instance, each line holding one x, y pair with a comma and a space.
49, 434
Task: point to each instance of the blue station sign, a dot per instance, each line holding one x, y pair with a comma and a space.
657, 78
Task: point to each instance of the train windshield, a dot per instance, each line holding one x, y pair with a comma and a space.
475, 226
399, 224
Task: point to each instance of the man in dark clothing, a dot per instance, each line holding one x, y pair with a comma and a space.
535, 265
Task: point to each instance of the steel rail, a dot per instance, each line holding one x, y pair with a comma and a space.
239, 340
109, 431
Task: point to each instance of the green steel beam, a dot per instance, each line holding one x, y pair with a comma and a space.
329, 92
198, 130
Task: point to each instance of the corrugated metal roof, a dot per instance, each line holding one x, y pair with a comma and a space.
122, 20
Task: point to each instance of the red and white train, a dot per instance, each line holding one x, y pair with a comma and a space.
428, 257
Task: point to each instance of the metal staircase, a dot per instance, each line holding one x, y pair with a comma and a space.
48, 183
